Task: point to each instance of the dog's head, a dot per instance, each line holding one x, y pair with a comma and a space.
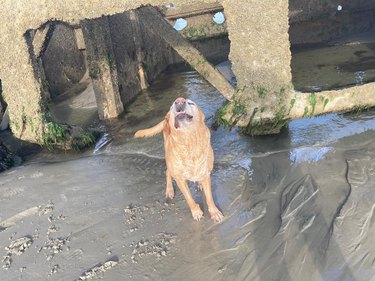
184, 115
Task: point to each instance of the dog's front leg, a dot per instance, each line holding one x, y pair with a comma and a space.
194, 207
169, 193
216, 215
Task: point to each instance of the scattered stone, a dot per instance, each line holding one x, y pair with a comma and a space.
135, 214
158, 247
131, 212
55, 269
16, 247
54, 246
52, 229
135, 228
46, 209
19, 245
22, 269
7, 261
95, 271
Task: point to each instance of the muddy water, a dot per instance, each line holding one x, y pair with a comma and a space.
333, 67
297, 206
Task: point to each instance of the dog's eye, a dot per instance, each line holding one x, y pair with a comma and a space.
191, 103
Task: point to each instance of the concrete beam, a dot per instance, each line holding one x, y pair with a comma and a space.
102, 67
312, 104
155, 21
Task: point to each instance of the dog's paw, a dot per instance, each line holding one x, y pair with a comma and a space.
216, 215
197, 213
169, 194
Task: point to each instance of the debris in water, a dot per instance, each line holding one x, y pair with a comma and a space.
360, 77
180, 24
313, 89
103, 141
219, 18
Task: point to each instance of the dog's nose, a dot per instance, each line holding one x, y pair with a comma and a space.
180, 104
180, 100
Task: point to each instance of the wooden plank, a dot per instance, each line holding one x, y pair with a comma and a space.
150, 17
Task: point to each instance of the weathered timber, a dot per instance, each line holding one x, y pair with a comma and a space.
154, 20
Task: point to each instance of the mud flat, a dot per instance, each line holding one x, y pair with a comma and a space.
297, 206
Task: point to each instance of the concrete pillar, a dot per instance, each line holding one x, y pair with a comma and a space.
260, 56
102, 67
137, 37
23, 94
39, 40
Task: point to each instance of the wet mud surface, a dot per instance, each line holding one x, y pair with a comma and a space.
297, 206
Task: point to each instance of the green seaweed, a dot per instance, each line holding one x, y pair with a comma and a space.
306, 111
312, 99
325, 103
261, 91
292, 103
54, 135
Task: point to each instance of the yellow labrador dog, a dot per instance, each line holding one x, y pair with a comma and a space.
188, 153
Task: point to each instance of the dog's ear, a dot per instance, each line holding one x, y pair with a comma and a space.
167, 128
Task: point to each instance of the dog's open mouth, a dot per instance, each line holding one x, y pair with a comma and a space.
182, 116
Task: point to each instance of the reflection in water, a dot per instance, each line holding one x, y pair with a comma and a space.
326, 129
308, 154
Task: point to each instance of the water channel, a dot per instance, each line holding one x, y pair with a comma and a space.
297, 206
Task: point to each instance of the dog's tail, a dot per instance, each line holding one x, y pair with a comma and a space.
150, 131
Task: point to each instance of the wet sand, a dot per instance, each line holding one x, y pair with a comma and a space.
297, 206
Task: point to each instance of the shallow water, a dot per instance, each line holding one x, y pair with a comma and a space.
297, 206
333, 67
